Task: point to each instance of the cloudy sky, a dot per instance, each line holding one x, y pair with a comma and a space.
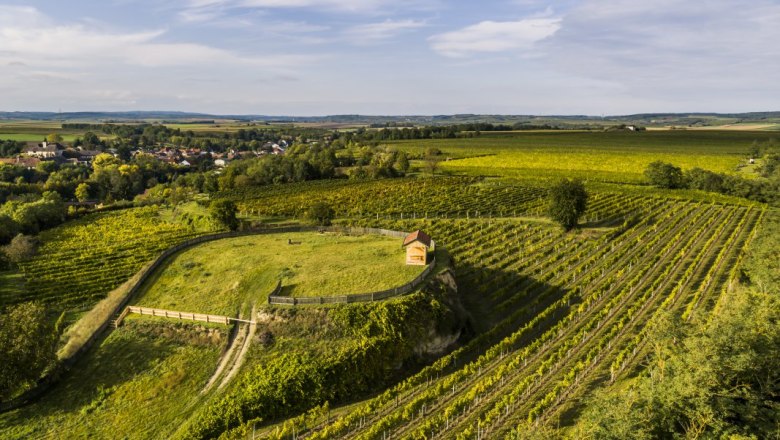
317, 57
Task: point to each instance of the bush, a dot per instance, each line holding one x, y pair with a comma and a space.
21, 248
224, 212
320, 213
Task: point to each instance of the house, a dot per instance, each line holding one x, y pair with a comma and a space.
43, 150
277, 149
220, 162
87, 156
417, 245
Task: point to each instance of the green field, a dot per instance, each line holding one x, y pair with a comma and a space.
30, 131
133, 377
219, 276
602, 156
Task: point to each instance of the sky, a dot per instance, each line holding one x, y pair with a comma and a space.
390, 57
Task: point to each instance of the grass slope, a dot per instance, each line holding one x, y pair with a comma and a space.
135, 385
217, 277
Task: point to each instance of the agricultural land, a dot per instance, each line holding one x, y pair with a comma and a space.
656, 316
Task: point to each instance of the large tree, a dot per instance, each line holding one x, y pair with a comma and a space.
664, 175
28, 340
567, 202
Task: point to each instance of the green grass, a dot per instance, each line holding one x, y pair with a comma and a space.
132, 386
602, 156
219, 276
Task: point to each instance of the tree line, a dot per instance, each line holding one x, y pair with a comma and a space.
668, 176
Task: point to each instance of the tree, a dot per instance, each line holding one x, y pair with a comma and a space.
8, 228
224, 212
54, 138
664, 175
22, 247
567, 202
321, 213
432, 159
29, 341
704, 180
82, 192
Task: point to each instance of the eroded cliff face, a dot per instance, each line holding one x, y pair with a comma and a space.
443, 335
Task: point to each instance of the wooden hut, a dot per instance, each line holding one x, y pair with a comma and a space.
417, 245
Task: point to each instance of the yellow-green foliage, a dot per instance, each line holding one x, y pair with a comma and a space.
604, 156
79, 262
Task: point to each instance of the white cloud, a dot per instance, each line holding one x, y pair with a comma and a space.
51, 44
671, 45
373, 32
206, 9
494, 36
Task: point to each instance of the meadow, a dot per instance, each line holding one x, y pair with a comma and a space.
248, 268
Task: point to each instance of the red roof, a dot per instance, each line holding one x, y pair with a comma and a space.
418, 235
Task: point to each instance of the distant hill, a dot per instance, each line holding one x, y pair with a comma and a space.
647, 119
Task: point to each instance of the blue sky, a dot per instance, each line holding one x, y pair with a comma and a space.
317, 57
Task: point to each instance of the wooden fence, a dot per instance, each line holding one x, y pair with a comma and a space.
187, 316
355, 298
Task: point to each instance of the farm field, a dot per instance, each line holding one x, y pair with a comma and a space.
29, 131
619, 157
541, 318
248, 268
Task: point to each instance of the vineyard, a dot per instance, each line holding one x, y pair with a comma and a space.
619, 157
553, 315
428, 198
562, 312
80, 262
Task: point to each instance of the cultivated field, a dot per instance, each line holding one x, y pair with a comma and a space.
619, 157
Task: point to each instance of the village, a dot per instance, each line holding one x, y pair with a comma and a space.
36, 152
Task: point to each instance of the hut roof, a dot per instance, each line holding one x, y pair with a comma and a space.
418, 235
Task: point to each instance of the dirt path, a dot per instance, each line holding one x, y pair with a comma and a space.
228, 360
239, 360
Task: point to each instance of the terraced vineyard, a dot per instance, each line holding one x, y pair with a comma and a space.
441, 197
80, 262
567, 314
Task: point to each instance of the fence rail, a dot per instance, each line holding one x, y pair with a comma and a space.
355, 298
187, 316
